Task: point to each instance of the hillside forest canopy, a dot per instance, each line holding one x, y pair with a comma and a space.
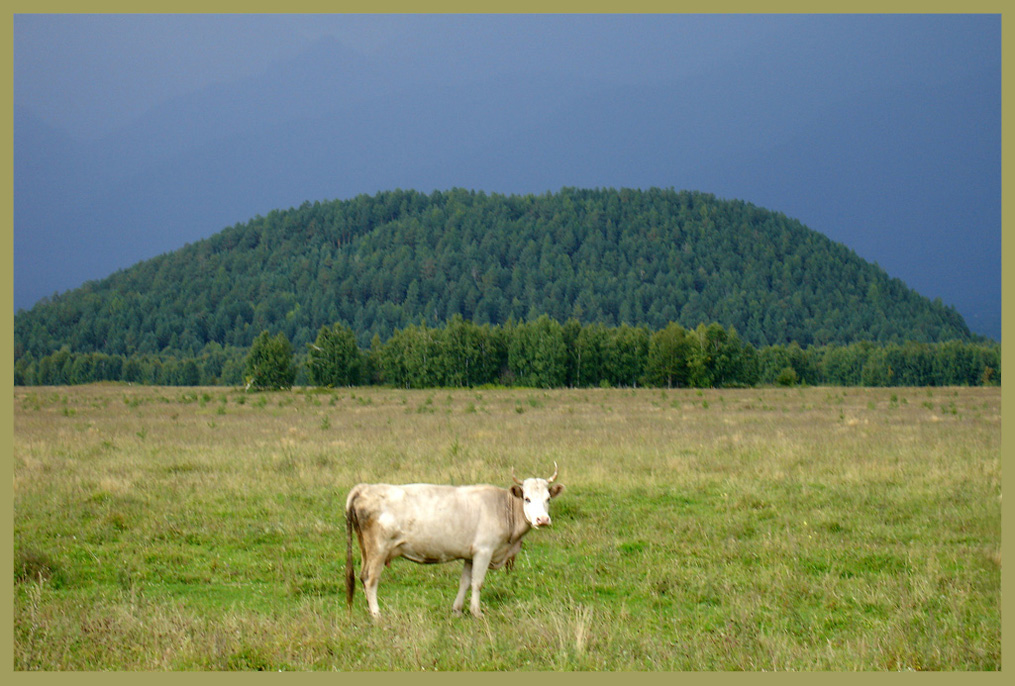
598, 276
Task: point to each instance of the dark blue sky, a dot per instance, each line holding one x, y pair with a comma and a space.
136, 134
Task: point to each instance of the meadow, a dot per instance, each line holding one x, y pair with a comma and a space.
162, 528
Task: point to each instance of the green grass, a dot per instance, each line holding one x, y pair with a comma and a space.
756, 529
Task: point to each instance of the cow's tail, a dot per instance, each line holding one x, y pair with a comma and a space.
350, 574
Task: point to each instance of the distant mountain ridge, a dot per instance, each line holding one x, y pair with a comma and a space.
378, 263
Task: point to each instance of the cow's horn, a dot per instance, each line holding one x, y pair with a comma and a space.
550, 480
515, 478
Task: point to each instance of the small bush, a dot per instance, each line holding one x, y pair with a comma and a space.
787, 377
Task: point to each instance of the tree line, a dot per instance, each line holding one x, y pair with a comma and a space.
541, 353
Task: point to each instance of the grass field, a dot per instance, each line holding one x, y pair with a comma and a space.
757, 529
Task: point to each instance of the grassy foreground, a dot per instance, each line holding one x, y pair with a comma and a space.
758, 529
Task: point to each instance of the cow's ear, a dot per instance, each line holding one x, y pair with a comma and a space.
516, 491
555, 490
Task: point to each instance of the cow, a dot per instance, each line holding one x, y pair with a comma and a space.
426, 523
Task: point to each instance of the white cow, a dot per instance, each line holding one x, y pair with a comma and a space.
482, 525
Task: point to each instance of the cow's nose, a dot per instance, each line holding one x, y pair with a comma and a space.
543, 521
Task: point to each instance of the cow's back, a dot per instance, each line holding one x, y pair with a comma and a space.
431, 523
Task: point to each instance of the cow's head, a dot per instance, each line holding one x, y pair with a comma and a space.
535, 494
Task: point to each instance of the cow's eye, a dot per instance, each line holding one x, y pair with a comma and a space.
527, 500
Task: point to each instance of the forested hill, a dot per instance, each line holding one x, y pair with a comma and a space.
380, 263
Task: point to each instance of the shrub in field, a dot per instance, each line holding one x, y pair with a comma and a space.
787, 377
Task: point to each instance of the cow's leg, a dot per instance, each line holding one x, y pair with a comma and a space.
371, 576
463, 586
480, 563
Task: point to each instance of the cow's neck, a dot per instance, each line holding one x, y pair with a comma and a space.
519, 525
